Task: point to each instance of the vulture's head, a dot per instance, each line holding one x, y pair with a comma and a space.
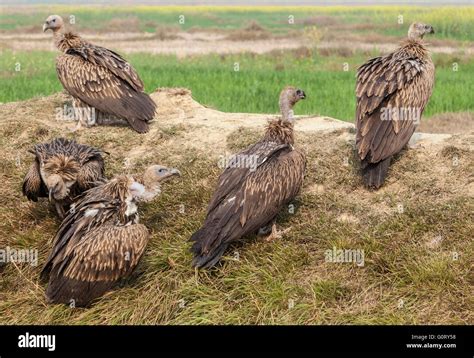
417, 30
289, 96
53, 22
59, 173
152, 178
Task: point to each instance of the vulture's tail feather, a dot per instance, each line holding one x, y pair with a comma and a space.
374, 173
74, 292
143, 108
206, 258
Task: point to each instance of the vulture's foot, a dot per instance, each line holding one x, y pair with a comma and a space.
415, 146
265, 230
275, 234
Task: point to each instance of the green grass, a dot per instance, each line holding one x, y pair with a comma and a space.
254, 88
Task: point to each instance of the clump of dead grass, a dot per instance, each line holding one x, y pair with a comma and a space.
252, 32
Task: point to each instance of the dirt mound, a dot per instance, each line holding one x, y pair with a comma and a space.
205, 129
409, 230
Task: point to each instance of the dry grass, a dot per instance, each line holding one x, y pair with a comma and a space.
409, 274
163, 33
252, 32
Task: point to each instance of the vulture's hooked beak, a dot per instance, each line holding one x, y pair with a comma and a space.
300, 94
174, 171
171, 173
429, 29
45, 27
50, 194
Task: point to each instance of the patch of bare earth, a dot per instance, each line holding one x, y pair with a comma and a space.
200, 42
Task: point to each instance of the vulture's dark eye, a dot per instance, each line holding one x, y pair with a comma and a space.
161, 171
54, 20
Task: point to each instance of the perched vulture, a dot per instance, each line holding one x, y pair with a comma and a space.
105, 88
62, 170
100, 241
248, 197
392, 92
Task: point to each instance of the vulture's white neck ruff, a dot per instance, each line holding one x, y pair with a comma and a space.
141, 193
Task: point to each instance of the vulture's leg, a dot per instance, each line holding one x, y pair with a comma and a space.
275, 234
76, 105
265, 230
85, 115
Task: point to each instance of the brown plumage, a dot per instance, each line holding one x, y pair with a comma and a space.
62, 170
392, 91
248, 198
100, 241
102, 83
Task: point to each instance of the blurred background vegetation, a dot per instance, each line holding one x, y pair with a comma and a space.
326, 74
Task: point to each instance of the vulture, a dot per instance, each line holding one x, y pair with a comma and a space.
392, 91
248, 197
105, 88
101, 241
62, 170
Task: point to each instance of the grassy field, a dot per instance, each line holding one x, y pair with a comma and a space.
384, 19
254, 87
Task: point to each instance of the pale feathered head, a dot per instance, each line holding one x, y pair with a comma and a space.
289, 96
417, 30
54, 23
152, 178
59, 173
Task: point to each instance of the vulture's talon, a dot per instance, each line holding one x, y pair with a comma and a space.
276, 234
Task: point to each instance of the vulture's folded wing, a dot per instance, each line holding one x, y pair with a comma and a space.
91, 172
89, 268
266, 190
90, 211
240, 166
112, 90
111, 60
105, 254
392, 92
33, 186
